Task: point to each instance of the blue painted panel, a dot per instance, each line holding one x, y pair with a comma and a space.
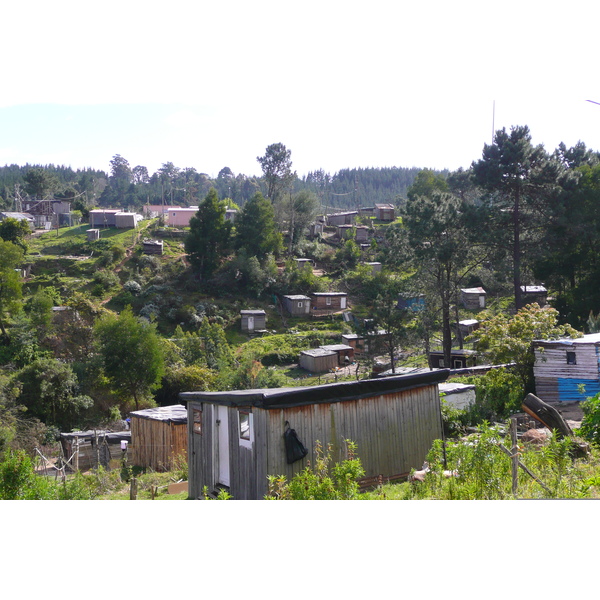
568, 390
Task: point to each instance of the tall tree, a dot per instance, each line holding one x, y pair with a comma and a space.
131, 353
520, 179
40, 182
434, 241
256, 230
276, 165
210, 235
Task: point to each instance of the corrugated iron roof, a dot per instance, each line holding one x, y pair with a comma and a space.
176, 413
317, 394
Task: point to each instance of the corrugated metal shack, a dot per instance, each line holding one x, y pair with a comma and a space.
296, 305
563, 366
253, 320
236, 438
318, 360
158, 436
86, 450
473, 298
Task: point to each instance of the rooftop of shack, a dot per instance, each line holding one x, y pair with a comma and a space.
590, 338
317, 394
176, 413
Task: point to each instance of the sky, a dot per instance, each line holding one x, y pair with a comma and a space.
341, 84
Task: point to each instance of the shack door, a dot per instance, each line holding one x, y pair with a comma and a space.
250, 323
223, 445
343, 302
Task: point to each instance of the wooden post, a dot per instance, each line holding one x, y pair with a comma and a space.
133, 489
514, 455
76, 465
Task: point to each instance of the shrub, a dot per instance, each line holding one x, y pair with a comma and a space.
590, 424
323, 481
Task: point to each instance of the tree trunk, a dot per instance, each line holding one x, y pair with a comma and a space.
517, 249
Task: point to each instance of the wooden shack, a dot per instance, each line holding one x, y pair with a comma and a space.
236, 437
341, 218
345, 353
303, 262
458, 395
318, 360
461, 359
354, 341
158, 437
531, 294
328, 301
473, 298
85, 450
93, 235
296, 305
315, 230
346, 232
152, 247
385, 212
253, 320
362, 234
565, 367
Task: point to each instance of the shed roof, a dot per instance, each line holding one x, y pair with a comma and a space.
329, 294
475, 290
297, 297
590, 338
448, 388
252, 312
533, 289
176, 413
337, 347
316, 352
317, 394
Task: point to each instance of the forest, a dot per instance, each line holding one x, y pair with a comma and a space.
92, 329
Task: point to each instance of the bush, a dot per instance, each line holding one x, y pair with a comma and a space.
590, 425
321, 482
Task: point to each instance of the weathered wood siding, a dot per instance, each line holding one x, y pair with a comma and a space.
156, 444
202, 460
558, 381
393, 432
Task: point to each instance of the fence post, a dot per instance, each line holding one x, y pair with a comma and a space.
514, 455
133, 489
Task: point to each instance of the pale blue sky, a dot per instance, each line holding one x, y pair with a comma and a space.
341, 84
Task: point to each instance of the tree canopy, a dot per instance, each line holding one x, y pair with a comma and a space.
209, 238
131, 354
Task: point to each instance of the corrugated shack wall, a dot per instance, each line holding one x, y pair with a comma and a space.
393, 432
156, 444
558, 381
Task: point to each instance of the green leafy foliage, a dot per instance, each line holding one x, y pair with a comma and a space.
131, 353
323, 480
504, 339
590, 425
209, 238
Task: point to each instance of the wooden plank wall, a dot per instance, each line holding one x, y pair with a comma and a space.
393, 432
202, 462
551, 366
155, 444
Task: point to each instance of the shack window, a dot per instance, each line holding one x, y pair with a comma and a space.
328, 301
197, 421
300, 304
571, 358
244, 425
457, 364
